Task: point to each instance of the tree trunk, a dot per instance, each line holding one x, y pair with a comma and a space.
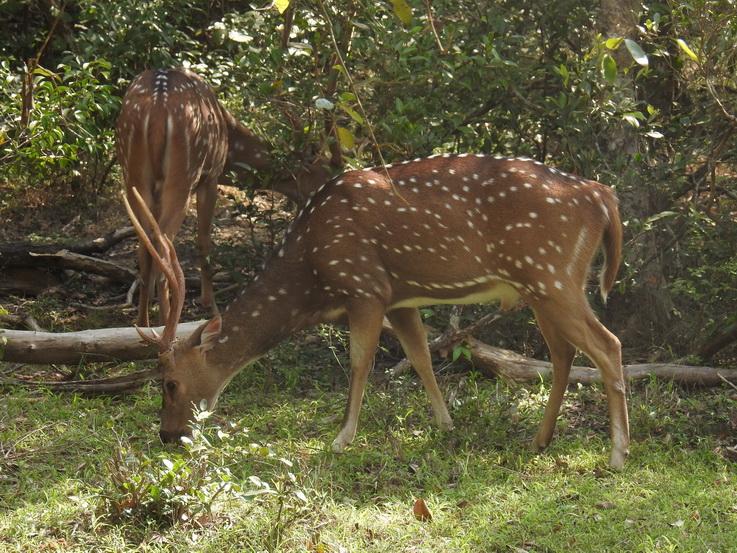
647, 308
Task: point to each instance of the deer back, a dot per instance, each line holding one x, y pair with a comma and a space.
456, 229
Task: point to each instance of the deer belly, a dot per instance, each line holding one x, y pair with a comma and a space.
462, 293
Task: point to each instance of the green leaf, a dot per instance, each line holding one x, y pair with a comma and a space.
609, 67
563, 72
662, 215
341, 69
238, 36
613, 43
281, 5
324, 103
403, 11
44, 72
353, 113
637, 53
632, 119
690, 53
346, 138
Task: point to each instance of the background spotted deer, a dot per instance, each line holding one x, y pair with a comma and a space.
173, 140
445, 229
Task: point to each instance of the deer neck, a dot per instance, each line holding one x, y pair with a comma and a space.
282, 300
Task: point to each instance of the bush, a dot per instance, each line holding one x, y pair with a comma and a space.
187, 486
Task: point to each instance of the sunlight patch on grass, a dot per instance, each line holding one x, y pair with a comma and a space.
484, 489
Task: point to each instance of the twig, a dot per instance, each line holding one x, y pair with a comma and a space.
354, 89
712, 91
727, 381
111, 307
432, 26
9, 452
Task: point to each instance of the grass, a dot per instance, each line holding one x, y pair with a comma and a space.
288, 493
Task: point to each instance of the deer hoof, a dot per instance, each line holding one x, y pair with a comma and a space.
338, 446
446, 425
618, 458
537, 448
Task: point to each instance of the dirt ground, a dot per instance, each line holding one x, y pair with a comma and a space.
82, 301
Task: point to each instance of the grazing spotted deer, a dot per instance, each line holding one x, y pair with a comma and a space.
174, 140
446, 229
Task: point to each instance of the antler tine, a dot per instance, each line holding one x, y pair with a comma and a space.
177, 288
169, 265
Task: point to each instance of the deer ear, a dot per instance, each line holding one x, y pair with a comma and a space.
206, 337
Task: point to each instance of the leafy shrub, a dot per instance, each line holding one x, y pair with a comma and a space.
186, 486
69, 130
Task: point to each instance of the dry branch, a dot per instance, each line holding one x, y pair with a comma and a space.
124, 344
20, 320
64, 259
122, 384
21, 253
71, 348
505, 363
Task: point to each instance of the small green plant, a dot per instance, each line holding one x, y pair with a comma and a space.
462, 350
186, 486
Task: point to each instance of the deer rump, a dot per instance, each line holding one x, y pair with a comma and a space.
169, 144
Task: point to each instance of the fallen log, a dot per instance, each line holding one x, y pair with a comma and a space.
21, 253
507, 364
85, 346
124, 344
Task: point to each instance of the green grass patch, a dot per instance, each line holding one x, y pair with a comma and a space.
89, 474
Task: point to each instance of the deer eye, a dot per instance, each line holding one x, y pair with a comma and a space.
171, 386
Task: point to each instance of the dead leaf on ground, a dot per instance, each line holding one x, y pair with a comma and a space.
420, 510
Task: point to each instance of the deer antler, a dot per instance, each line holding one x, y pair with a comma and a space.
170, 267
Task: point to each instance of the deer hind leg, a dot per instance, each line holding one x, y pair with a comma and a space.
407, 323
146, 267
206, 200
170, 221
146, 289
364, 320
584, 332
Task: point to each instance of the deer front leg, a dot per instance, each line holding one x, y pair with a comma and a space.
365, 327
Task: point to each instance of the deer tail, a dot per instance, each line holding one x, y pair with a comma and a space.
612, 245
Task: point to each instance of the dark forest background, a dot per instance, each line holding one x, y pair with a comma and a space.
640, 97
